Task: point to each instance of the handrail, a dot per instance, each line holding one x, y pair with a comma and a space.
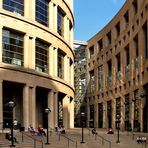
68, 139
103, 139
32, 137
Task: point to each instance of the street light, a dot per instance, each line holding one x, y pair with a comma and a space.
11, 105
118, 127
47, 111
82, 124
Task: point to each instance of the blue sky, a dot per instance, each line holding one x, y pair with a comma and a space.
92, 15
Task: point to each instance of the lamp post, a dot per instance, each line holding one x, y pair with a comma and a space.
11, 105
47, 111
82, 124
118, 127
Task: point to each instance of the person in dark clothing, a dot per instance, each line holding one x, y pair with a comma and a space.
9, 137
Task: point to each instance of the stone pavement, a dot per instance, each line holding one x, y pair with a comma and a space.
127, 140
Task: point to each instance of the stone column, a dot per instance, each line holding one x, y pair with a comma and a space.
55, 13
51, 61
32, 106
66, 67
104, 115
55, 109
113, 114
71, 112
66, 112
31, 9
88, 115
51, 106
132, 112
65, 28
72, 74
26, 9
55, 61
1, 104
1, 48
26, 51
51, 15
1, 4
96, 114
32, 52
122, 115
26, 106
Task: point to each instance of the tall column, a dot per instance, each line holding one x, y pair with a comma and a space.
51, 15
51, 61
26, 106
51, 106
113, 114
141, 114
96, 115
31, 9
66, 111
1, 4
26, 9
1, 34
72, 74
26, 51
66, 69
104, 115
122, 115
71, 112
32, 106
32, 52
55, 109
55, 61
1, 103
88, 115
55, 13
66, 28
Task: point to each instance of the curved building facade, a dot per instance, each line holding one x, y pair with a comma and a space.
36, 62
117, 70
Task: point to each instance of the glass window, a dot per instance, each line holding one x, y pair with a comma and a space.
41, 56
42, 8
16, 6
60, 21
60, 64
12, 47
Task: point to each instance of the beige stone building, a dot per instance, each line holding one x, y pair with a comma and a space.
117, 70
36, 62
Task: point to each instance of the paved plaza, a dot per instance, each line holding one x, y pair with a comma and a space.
103, 140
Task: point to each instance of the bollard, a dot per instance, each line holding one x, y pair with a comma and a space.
34, 143
102, 141
22, 137
68, 142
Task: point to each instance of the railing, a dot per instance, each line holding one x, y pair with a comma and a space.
68, 140
33, 138
103, 139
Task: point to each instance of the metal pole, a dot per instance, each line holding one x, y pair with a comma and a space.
118, 141
82, 133
47, 132
12, 139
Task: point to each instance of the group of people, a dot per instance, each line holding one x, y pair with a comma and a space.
141, 139
40, 130
60, 129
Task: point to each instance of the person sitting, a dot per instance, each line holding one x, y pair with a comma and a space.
94, 132
31, 130
9, 137
41, 131
62, 129
138, 139
110, 131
